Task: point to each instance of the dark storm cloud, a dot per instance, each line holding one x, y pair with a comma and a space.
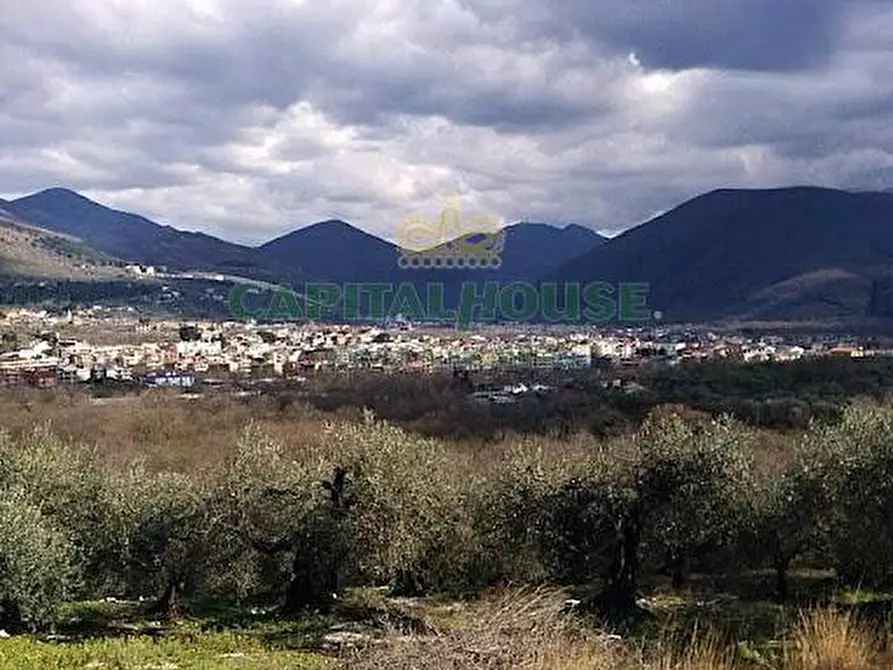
760, 35
288, 53
767, 35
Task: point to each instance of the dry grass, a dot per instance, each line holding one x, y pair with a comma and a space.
703, 649
831, 640
23, 252
172, 433
526, 630
169, 432
523, 630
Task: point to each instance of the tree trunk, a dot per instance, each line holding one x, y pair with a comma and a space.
619, 595
168, 605
315, 579
11, 617
678, 567
782, 591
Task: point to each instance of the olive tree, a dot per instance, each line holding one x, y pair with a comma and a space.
694, 485
675, 493
409, 525
167, 537
269, 507
794, 509
65, 482
38, 564
863, 528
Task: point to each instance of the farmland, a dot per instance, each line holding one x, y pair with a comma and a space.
254, 533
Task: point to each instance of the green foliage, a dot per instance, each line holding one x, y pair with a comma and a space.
863, 533
408, 515
38, 565
259, 499
365, 503
200, 651
168, 532
676, 495
65, 484
795, 510
693, 485
509, 516
581, 524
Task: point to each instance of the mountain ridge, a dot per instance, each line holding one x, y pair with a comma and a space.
328, 250
712, 255
727, 253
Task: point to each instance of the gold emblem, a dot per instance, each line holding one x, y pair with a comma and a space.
450, 242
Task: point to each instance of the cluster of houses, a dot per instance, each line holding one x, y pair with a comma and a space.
211, 351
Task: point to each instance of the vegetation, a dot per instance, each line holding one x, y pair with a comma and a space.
308, 518
74, 249
775, 396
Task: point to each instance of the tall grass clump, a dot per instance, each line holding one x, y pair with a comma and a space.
830, 640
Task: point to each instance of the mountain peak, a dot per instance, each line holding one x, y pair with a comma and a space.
333, 230
58, 199
127, 236
333, 224
331, 250
58, 192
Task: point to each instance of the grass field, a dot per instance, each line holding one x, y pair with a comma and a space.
515, 629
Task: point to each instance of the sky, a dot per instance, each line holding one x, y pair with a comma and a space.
248, 119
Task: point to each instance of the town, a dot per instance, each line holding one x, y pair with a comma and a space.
43, 349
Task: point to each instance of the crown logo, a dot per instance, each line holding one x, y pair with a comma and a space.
450, 241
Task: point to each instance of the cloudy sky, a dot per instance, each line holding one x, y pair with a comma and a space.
246, 119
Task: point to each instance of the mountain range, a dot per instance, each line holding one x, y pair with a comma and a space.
785, 253
330, 251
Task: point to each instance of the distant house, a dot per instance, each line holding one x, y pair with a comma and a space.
168, 379
73, 374
847, 351
15, 374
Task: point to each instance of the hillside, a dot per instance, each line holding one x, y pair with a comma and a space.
799, 252
790, 253
27, 251
132, 237
328, 251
